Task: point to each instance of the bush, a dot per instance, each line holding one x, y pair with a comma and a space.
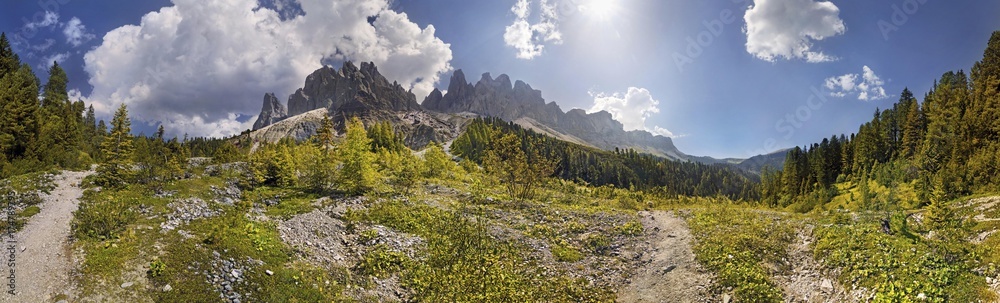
563, 252
102, 216
597, 243
631, 228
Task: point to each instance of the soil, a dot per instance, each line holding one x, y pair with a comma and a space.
669, 272
42, 254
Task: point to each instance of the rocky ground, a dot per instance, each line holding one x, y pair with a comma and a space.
669, 272
42, 257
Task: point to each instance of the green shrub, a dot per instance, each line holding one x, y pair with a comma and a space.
103, 215
597, 243
382, 261
563, 252
630, 228
899, 268
156, 268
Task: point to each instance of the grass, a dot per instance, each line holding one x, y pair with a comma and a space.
739, 244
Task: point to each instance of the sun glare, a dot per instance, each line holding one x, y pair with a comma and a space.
600, 9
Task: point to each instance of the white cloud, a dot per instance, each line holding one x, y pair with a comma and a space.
76, 33
530, 39
631, 109
787, 28
47, 61
49, 19
198, 66
868, 89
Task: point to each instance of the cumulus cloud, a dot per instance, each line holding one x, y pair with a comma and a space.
76, 33
631, 109
530, 39
199, 67
869, 88
787, 28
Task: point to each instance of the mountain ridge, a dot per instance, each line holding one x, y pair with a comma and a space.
364, 92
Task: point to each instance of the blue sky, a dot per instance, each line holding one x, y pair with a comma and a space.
202, 67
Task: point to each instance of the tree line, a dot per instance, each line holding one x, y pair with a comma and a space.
623, 168
947, 145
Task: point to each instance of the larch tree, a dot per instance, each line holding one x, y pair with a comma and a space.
359, 173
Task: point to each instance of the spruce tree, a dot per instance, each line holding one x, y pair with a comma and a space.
9, 61
18, 126
117, 149
55, 94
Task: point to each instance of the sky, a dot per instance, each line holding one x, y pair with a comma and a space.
723, 78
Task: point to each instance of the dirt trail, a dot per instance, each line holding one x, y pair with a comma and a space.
805, 281
670, 272
43, 262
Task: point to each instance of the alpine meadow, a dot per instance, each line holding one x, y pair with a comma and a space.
835, 151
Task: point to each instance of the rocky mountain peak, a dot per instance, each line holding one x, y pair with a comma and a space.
351, 89
272, 111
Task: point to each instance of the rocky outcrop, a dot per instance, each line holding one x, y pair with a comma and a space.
351, 90
272, 112
514, 102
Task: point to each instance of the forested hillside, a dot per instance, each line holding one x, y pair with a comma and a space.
620, 168
925, 152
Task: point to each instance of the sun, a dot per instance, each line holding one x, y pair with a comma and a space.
601, 10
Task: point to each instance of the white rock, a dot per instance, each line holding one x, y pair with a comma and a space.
127, 284
269, 272
167, 288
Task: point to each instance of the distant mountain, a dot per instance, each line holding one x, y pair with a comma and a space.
351, 92
364, 92
520, 103
755, 164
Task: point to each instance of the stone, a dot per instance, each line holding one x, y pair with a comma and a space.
826, 284
670, 268
167, 288
726, 298
127, 284
269, 272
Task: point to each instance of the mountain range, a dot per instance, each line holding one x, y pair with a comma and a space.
366, 93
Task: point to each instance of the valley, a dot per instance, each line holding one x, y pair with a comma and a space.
353, 190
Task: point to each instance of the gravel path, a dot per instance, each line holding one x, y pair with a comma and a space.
670, 272
42, 258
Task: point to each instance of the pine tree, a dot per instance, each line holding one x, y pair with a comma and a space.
117, 149
358, 173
